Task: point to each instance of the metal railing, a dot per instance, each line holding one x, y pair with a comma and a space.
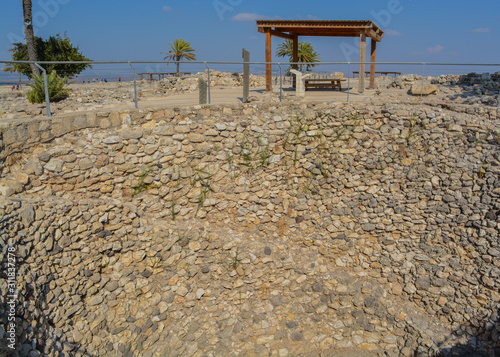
279, 75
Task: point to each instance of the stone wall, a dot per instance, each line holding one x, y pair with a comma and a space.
217, 79
18, 135
256, 230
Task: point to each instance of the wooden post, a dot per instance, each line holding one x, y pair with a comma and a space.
203, 89
246, 75
362, 58
372, 60
295, 57
269, 58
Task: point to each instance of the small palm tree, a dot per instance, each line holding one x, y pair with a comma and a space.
55, 84
307, 54
180, 49
13, 67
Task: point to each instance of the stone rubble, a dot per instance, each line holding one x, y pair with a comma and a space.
471, 89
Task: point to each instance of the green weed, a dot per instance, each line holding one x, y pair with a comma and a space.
235, 262
172, 209
141, 186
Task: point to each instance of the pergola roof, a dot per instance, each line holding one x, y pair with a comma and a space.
335, 28
293, 29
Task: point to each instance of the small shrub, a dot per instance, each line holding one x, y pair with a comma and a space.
56, 86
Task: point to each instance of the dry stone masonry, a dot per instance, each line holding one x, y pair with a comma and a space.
255, 230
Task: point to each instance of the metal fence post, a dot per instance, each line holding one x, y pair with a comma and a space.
423, 77
348, 80
281, 83
46, 86
135, 86
209, 97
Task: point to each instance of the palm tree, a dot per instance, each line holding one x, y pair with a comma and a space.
307, 54
14, 67
30, 37
180, 49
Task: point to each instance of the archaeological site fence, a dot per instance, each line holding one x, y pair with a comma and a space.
128, 84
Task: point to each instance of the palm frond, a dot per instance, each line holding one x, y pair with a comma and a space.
306, 53
181, 49
56, 86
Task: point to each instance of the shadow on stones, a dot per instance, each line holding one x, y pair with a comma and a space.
473, 97
36, 332
477, 89
44, 324
485, 342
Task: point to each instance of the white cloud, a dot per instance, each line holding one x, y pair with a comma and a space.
247, 16
481, 30
308, 17
166, 9
435, 49
392, 33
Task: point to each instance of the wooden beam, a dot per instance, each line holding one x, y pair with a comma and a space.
269, 58
349, 33
324, 33
362, 58
373, 57
281, 34
373, 35
293, 26
313, 32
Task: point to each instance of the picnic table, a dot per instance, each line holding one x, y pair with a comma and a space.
160, 74
324, 83
367, 74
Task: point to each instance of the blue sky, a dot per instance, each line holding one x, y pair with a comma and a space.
415, 30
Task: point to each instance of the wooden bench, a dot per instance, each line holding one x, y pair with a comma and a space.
324, 83
160, 74
367, 74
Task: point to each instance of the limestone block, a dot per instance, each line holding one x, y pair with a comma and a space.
426, 89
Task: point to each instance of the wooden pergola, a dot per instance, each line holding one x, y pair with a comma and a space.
291, 30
